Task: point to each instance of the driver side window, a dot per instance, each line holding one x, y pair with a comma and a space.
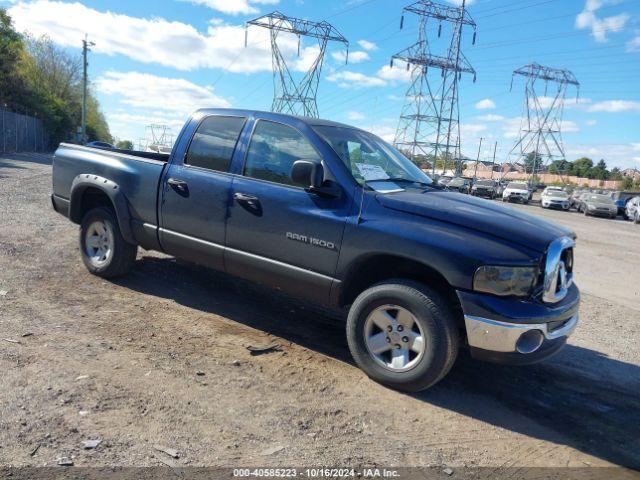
273, 150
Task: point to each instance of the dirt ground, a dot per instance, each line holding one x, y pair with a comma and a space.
159, 358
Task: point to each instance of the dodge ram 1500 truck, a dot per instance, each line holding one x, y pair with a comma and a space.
335, 215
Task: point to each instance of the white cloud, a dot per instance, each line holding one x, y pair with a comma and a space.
567, 126
234, 7
472, 129
367, 45
347, 79
614, 106
486, 104
511, 127
591, 123
395, 74
616, 155
386, 132
352, 115
354, 57
144, 99
384, 76
459, 2
173, 95
633, 45
490, 117
150, 40
588, 19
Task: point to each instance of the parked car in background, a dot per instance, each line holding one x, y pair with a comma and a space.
632, 209
575, 196
549, 189
485, 188
553, 197
460, 184
621, 199
444, 180
516, 192
100, 145
597, 204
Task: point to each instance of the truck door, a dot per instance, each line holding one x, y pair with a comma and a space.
196, 193
277, 233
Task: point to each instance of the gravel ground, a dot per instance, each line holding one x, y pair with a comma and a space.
159, 358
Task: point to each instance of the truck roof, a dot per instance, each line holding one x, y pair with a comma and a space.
283, 117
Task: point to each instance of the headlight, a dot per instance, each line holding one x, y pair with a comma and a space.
505, 281
591, 207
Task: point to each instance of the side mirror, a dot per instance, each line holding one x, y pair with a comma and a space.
305, 172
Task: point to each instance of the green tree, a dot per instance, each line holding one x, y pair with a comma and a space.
125, 145
11, 52
600, 171
41, 79
627, 183
581, 167
559, 167
615, 174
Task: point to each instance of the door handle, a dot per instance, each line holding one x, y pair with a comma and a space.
244, 198
249, 202
178, 184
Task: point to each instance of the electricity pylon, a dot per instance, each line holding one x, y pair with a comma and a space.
429, 123
297, 97
540, 138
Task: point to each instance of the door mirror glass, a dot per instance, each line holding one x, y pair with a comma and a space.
305, 172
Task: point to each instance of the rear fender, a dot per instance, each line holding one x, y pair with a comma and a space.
112, 191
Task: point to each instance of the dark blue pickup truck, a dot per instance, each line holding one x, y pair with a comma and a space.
334, 215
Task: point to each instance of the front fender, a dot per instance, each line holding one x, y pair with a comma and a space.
112, 191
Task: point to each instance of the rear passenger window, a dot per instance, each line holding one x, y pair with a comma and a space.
213, 143
273, 149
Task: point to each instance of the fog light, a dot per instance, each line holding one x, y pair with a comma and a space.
530, 341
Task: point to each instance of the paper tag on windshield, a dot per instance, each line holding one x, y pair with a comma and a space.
372, 172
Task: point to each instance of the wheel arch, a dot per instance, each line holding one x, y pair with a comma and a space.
91, 191
369, 270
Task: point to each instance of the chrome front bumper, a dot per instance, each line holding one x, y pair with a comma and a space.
503, 337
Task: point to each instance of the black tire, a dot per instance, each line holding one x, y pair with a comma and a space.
586, 212
433, 316
122, 255
636, 217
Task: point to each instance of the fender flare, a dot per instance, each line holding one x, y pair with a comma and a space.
112, 190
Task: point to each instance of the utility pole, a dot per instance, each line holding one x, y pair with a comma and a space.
429, 124
541, 124
83, 121
475, 172
493, 162
297, 96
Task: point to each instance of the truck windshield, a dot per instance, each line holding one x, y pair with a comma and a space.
371, 160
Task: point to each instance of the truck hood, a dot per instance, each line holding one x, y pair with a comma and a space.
477, 214
515, 190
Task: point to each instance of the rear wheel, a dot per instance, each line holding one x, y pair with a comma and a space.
104, 251
403, 335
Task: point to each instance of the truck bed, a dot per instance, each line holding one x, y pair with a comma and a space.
137, 174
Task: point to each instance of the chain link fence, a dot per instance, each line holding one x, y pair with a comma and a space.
22, 133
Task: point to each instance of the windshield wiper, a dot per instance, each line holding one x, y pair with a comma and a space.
398, 179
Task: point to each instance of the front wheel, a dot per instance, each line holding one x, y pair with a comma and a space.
104, 251
402, 334
636, 217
